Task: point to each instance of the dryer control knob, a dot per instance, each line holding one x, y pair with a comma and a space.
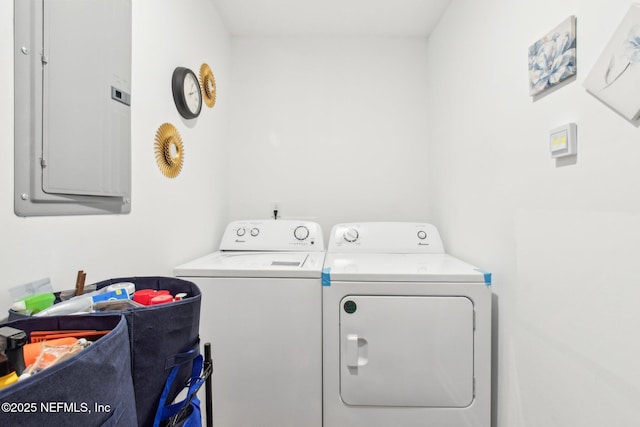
240, 232
351, 235
301, 232
254, 232
422, 235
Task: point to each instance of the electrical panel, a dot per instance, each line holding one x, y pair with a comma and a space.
72, 107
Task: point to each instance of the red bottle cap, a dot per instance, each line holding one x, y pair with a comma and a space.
144, 296
161, 299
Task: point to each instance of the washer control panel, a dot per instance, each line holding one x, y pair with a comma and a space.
385, 237
272, 235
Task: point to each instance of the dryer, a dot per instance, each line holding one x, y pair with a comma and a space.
406, 330
261, 311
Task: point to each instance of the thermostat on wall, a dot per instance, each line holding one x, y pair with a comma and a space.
562, 141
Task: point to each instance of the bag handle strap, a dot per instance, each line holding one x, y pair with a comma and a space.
182, 358
164, 411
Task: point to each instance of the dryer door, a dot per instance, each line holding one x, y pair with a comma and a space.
406, 351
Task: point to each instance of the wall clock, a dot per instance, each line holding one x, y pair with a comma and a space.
186, 92
208, 83
169, 150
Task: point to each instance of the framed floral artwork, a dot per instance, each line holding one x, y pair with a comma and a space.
615, 77
552, 59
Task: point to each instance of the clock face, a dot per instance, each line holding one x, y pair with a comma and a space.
186, 92
192, 93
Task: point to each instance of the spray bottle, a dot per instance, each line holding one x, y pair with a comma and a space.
33, 303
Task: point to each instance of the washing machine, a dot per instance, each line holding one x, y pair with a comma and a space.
406, 330
261, 312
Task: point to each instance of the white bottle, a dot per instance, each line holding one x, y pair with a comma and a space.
79, 304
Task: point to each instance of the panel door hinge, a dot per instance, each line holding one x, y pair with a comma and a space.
43, 163
474, 387
44, 59
474, 320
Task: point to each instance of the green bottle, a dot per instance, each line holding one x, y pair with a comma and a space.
34, 303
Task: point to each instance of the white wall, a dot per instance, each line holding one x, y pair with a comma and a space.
334, 129
562, 242
171, 221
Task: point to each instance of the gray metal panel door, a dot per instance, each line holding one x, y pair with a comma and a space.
86, 138
414, 351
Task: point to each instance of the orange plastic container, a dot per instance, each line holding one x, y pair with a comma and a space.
31, 351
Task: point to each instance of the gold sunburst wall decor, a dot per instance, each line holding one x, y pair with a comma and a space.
208, 84
169, 150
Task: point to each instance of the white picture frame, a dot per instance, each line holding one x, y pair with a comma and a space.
615, 77
552, 59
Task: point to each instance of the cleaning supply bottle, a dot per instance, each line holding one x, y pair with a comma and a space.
7, 375
33, 303
79, 304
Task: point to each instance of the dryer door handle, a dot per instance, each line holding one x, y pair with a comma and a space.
352, 350
357, 351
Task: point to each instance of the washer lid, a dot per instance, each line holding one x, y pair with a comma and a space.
401, 268
254, 264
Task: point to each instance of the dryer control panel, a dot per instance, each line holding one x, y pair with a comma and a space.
272, 235
385, 237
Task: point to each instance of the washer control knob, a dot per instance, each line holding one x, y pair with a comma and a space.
240, 232
351, 235
422, 234
301, 232
254, 232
